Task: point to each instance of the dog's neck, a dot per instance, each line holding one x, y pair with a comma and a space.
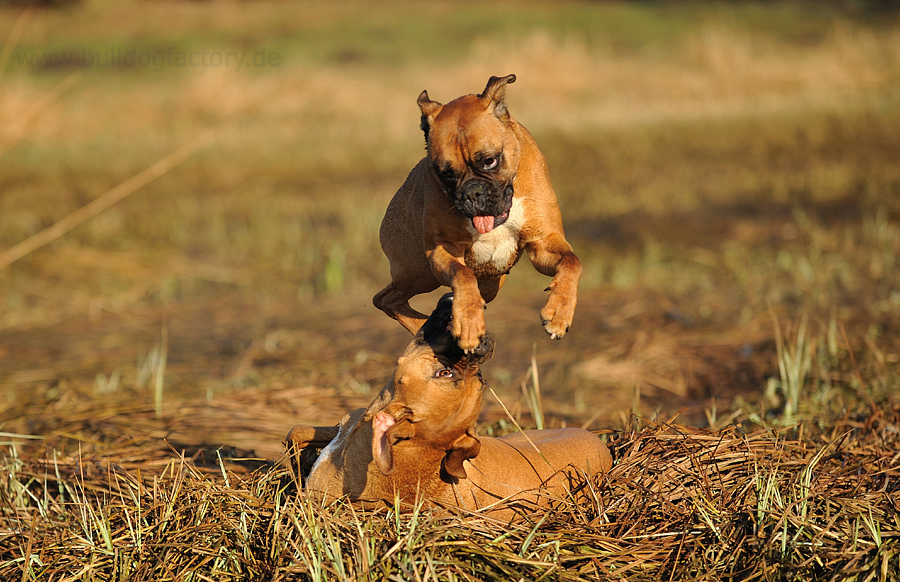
418, 469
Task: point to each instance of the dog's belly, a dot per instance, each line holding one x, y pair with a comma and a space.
494, 253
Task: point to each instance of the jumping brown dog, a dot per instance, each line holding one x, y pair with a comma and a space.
417, 438
466, 212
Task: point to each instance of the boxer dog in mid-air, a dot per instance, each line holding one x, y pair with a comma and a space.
466, 212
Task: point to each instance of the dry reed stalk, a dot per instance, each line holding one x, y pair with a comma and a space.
103, 202
12, 39
16, 131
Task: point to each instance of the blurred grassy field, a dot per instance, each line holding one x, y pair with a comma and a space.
715, 164
729, 174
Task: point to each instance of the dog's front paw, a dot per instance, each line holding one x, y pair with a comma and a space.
468, 323
557, 314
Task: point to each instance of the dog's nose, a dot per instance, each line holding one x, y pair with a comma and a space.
485, 349
474, 190
473, 195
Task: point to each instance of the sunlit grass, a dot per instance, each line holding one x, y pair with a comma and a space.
726, 504
728, 176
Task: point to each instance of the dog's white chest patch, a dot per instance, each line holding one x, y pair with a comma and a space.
500, 247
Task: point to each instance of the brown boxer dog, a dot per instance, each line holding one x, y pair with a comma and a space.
416, 440
466, 212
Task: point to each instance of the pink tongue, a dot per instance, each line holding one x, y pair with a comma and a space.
484, 224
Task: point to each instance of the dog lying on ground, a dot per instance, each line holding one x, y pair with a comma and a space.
466, 213
417, 438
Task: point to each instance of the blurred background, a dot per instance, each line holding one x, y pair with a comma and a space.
728, 173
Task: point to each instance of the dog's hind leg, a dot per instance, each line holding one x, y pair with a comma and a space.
394, 301
303, 444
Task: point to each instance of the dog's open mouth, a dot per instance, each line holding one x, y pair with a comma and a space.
487, 204
485, 223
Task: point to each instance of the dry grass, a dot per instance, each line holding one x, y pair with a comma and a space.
680, 503
727, 174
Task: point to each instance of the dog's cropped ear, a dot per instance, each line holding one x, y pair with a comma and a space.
386, 432
429, 109
495, 94
465, 447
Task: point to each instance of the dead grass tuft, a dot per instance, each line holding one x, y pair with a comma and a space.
680, 503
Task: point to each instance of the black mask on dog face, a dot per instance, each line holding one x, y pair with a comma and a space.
436, 333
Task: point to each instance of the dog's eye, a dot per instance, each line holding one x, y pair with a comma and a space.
444, 373
490, 163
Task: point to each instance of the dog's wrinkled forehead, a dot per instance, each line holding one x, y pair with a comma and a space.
435, 332
466, 129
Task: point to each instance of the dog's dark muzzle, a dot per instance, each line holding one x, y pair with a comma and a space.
436, 333
479, 197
